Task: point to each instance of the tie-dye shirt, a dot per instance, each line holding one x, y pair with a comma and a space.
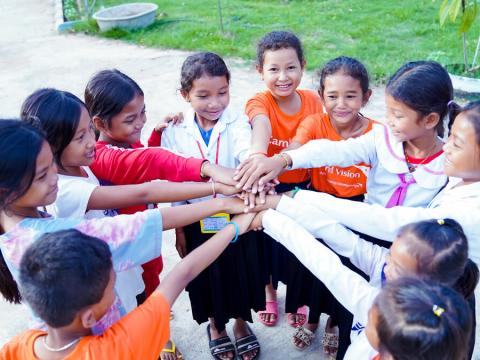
133, 240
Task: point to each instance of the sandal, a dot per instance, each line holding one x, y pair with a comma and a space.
304, 335
247, 344
302, 311
172, 350
271, 307
219, 346
330, 340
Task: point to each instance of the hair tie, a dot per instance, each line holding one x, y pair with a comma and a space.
441, 222
437, 310
451, 102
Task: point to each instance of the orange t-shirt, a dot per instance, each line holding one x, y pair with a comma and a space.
284, 126
342, 182
141, 334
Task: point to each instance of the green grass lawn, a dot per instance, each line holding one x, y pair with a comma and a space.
381, 33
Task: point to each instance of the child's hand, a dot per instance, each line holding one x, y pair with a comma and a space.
219, 173
234, 205
243, 222
256, 223
181, 242
258, 169
226, 190
170, 118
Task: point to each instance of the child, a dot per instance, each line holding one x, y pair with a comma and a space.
67, 277
406, 155
275, 115
69, 128
116, 104
28, 181
416, 320
432, 250
344, 90
233, 284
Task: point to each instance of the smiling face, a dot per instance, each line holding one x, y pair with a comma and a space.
405, 123
343, 98
126, 127
282, 72
209, 96
462, 151
81, 150
43, 190
400, 262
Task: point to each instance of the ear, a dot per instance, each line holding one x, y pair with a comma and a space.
431, 120
99, 125
185, 95
303, 64
322, 100
259, 70
87, 318
366, 97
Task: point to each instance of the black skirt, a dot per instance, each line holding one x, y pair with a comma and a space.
233, 285
279, 262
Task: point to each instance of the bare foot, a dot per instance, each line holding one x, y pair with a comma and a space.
270, 295
167, 355
215, 334
298, 342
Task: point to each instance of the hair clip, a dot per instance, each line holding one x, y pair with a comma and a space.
437, 310
441, 222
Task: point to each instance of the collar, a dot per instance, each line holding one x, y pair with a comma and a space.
391, 155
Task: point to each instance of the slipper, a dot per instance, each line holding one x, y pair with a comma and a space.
271, 307
330, 340
302, 311
172, 350
304, 335
219, 346
247, 344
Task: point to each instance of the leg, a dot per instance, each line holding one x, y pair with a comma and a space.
245, 340
221, 346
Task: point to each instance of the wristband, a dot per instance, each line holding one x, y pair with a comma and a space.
295, 190
236, 230
213, 189
202, 175
284, 158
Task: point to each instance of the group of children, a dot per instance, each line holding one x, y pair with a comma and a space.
81, 236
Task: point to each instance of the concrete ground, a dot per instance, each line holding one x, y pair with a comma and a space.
33, 55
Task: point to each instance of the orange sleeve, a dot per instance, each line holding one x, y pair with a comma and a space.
306, 130
257, 105
141, 334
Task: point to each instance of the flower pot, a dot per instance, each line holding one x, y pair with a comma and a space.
127, 16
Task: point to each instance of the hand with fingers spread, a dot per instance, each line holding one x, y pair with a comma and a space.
173, 118
260, 170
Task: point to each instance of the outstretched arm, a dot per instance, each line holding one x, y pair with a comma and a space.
195, 262
349, 288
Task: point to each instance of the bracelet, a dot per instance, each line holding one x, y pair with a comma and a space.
213, 188
258, 153
295, 191
236, 231
284, 158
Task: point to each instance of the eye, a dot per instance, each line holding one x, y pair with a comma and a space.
272, 69
222, 92
292, 67
331, 97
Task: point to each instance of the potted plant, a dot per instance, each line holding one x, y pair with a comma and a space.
467, 10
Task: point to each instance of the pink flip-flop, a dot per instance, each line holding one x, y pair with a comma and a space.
271, 307
302, 311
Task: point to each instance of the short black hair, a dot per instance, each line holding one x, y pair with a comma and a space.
108, 92
199, 64
348, 66
58, 113
472, 111
420, 320
62, 273
277, 40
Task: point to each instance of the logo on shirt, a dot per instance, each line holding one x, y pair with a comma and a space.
358, 328
278, 142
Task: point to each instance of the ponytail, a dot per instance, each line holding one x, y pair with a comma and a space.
467, 283
453, 110
8, 286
